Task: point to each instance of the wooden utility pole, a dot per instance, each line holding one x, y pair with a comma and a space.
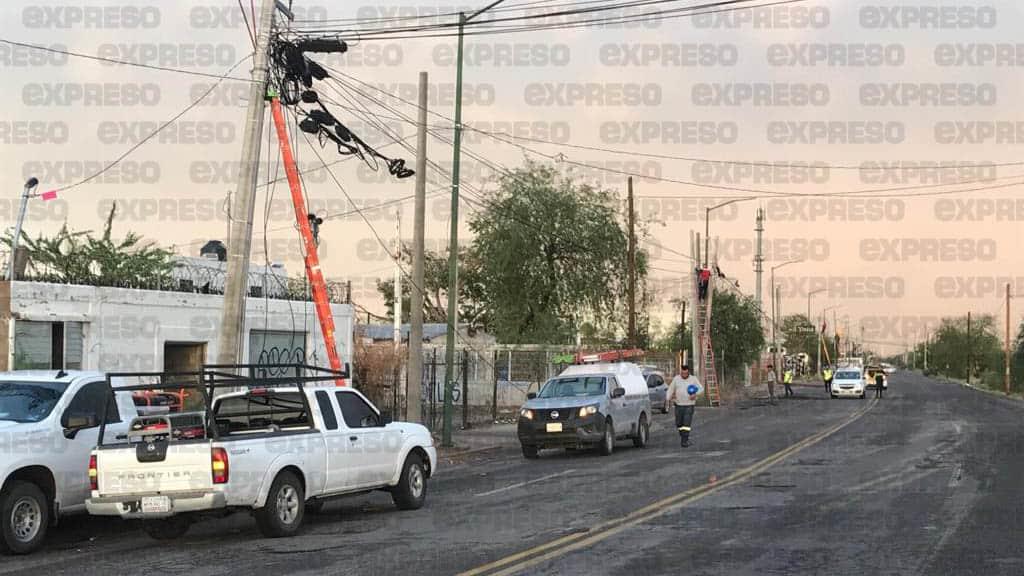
229, 346
414, 370
631, 265
1006, 374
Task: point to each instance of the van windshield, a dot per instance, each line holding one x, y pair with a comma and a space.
29, 401
848, 376
573, 386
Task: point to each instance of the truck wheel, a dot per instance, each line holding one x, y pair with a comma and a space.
607, 445
167, 528
25, 516
411, 491
530, 452
282, 515
643, 431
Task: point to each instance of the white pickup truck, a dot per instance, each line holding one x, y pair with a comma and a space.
48, 427
274, 451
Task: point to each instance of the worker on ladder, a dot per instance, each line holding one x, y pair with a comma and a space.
682, 393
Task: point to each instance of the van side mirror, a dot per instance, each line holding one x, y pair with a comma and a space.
531, 395
618, 392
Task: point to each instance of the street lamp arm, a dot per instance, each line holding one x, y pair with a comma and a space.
482, 10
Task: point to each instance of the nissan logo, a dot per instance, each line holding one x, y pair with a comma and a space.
554, 414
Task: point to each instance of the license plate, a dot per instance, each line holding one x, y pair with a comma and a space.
156, 505
554, 427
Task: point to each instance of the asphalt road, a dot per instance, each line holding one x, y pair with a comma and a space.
925, 481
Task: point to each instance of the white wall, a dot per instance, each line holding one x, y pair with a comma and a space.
125, 329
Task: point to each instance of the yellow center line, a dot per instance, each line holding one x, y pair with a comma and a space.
520, 561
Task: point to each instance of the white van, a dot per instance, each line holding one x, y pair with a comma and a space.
587, 405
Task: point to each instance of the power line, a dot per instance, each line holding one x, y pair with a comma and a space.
128, 63
152, 134
758, 193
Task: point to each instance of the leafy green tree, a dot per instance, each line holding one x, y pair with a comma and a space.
799, 335
736, 330
550, 250
950, 347
472, 312
81, 258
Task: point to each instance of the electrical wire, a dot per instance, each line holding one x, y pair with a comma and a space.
128, 63
756, 192
160, 128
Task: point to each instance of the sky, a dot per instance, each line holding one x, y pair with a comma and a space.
840, 119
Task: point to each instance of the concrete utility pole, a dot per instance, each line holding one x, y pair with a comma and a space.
453, 249
1006, 375
695, 351
414, 370
927, 338
759, 259
229, 349
397, 311
631, 265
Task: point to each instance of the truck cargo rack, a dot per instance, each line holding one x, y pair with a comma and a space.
219, 377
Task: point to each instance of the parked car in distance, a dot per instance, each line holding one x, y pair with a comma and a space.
588, 405
848, 381
49, 421
657, 388
273, 451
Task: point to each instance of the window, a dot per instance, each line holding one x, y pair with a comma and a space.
654, 380
327, 410
277, 347
573, 386
356, 412
89, 401
261, 411
47, 345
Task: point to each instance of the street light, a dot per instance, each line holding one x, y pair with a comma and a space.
707, 225
809, 294
775, 346
821, 338
29, 185
453, 250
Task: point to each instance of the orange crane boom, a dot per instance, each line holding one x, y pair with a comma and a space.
312, 259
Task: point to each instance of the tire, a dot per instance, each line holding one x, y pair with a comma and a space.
282, 515
167, 528
607, 444
643, 432
530, 452
411, 491
25, 517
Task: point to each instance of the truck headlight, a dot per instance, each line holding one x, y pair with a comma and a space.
526, 413
588, 410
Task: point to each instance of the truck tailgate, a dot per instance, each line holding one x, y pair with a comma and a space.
154, 468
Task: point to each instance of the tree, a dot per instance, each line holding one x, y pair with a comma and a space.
435, 290
799, 335
736, 329
81, 258
551, 252
949, 349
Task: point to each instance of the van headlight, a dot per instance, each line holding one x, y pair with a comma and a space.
526, 413
588, 410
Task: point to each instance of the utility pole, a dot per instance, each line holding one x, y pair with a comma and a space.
243, 202
682, 329
969, 346
927, 338
759, 258
453, 247
397, 308
1006, 344
696, 369
414, 370
631, 265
